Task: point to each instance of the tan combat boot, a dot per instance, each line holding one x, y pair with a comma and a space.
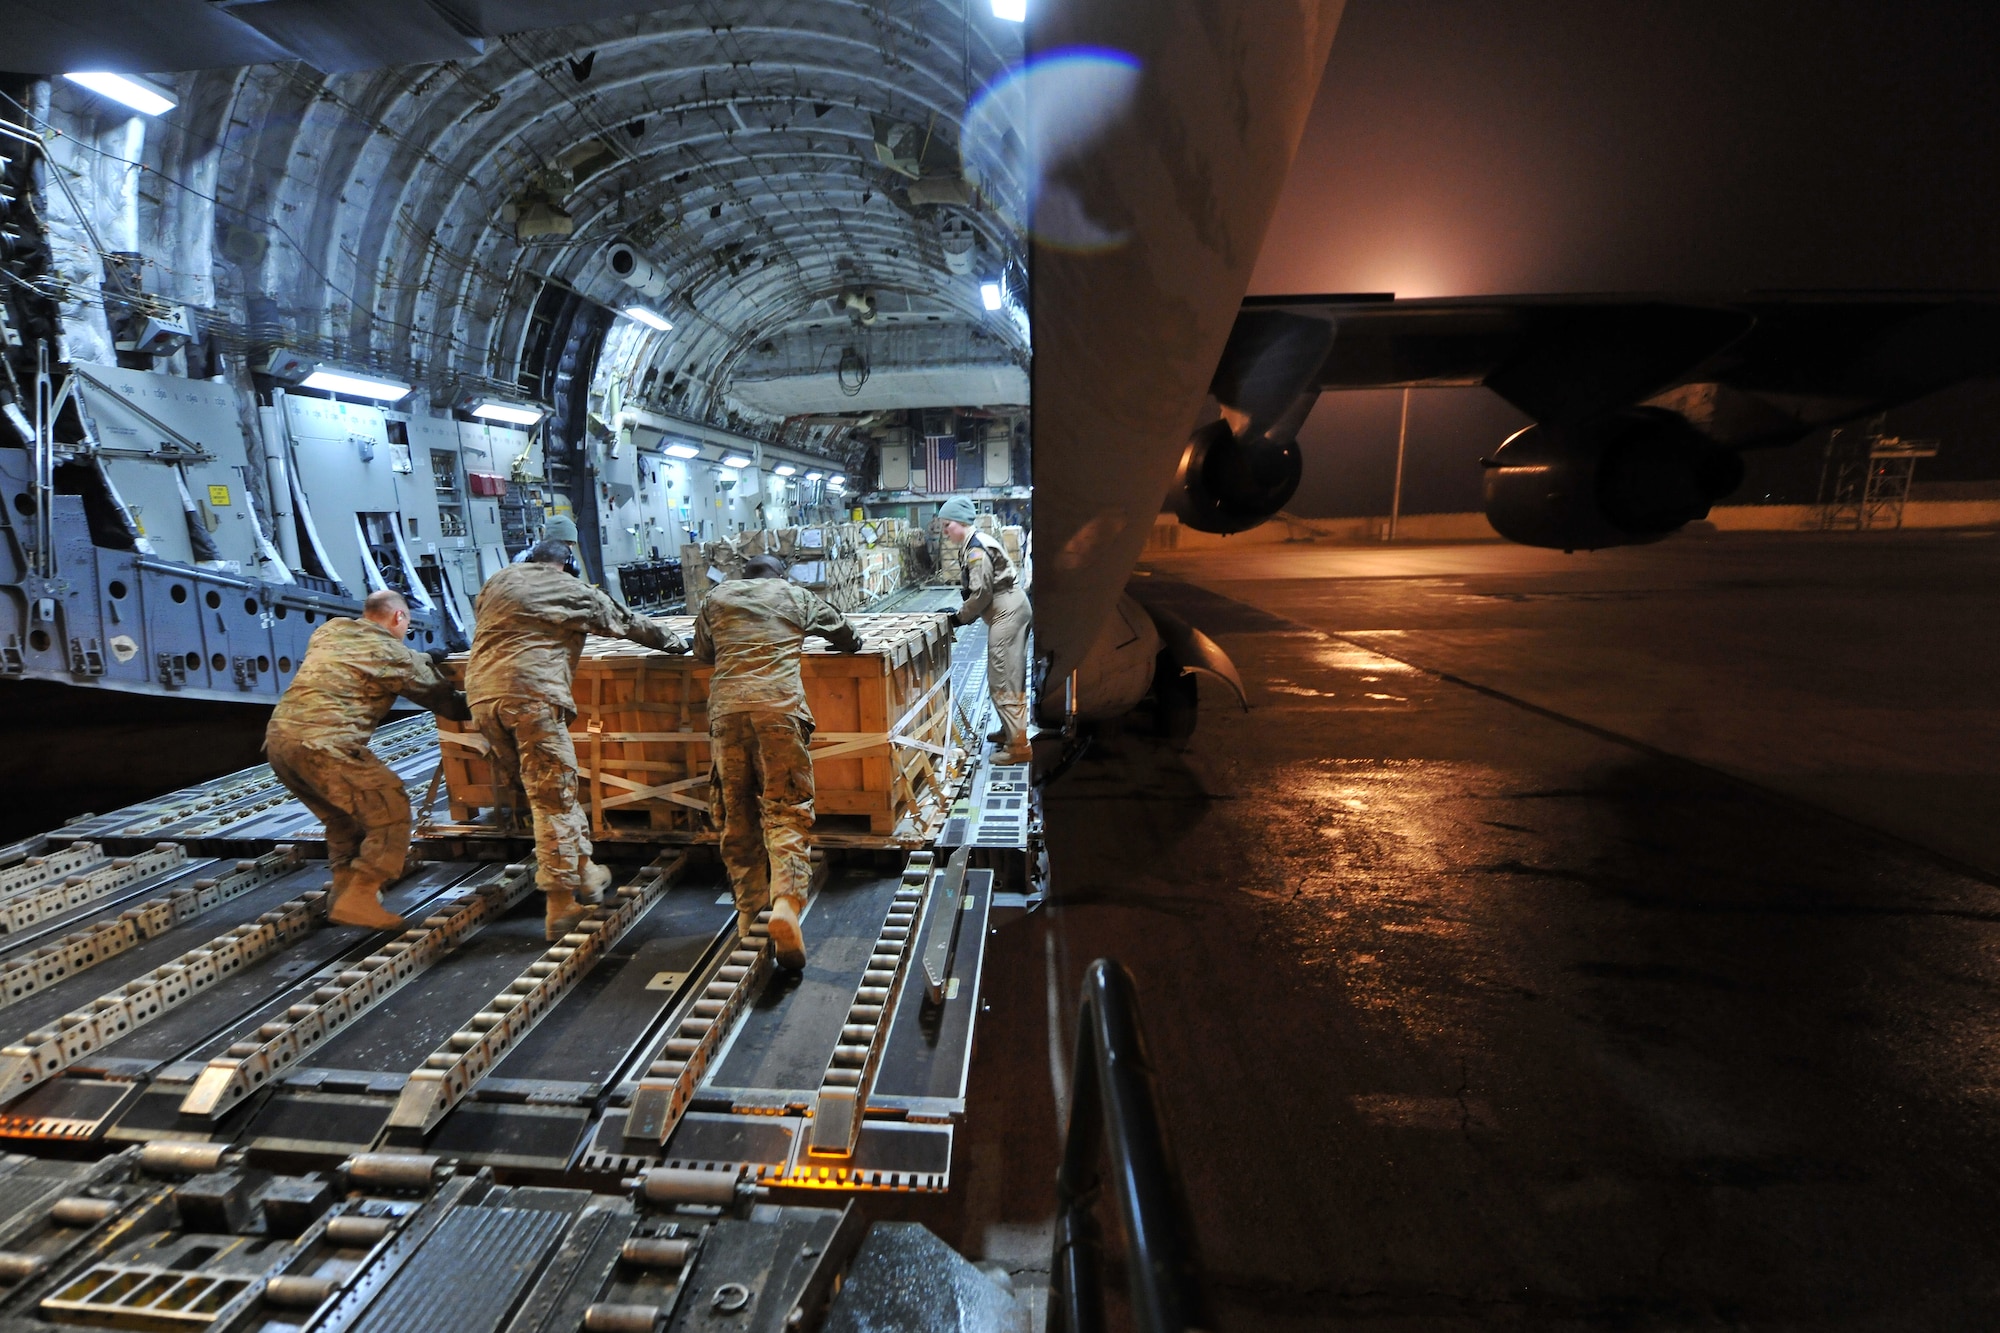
788, 942
357, 901
746, 921
560, 914
596, 879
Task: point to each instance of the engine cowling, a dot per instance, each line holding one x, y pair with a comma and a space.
1636, 476
1226, 484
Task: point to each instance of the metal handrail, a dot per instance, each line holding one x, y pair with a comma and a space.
1114, 1108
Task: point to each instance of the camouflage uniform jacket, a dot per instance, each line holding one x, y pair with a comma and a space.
351, 675
983, 571
754, 630
533, 620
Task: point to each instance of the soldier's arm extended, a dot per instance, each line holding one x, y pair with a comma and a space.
609, 618
424, 686
978, 583
832, 626
704, 642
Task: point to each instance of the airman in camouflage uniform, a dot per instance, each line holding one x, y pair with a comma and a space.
987, 582
317, 742
533, 619
754, 630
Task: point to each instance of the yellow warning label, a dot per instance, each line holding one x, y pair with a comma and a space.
219, 496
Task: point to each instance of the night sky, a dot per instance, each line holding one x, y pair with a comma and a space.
1464, 148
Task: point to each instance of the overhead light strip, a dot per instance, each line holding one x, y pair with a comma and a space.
142, 97
513, 414
358, 386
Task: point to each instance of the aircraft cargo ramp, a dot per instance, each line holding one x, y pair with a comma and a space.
180, 1022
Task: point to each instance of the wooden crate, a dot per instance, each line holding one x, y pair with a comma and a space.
880, 752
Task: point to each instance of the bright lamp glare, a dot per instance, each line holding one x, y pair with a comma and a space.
141, 97
785, 470
1014, 11
648, 318
683, 451
507, 412
989, 294
839, 481
359, 386
736, 460
815, 476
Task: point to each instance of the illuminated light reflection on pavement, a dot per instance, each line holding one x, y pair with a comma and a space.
1466, 1011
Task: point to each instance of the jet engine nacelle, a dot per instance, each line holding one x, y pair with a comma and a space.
1636, 476
1226, 484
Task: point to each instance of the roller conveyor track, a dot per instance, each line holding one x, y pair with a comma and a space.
536, 1054
17, 944
234, 1009
77, 990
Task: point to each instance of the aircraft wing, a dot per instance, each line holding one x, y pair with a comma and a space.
1748, 370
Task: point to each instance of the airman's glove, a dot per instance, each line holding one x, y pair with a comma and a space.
656, 636
456, 708
438, 656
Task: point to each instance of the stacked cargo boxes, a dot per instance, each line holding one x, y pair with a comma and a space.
880, 750
849, 564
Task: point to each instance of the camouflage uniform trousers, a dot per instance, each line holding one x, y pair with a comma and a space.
532, 748
761, 779
1008, 621
359, 799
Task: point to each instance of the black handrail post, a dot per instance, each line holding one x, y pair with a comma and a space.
1114, 1106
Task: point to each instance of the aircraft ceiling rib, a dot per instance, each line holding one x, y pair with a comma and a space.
389, 186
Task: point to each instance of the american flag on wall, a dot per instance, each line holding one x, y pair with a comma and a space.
940, 463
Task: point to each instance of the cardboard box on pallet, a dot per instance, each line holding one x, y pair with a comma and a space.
883, 730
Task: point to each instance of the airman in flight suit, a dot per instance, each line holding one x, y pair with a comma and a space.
754, 629
533, 619
987, 582
317, 742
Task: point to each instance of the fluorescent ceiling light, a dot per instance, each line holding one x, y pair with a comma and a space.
838, 481
989, 295
360, 386
648, 318
513, 415
785, 470
736, 460
141, 97
1014, 11
683, 451
815, 476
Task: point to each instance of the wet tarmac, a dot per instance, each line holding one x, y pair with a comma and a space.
1600, 941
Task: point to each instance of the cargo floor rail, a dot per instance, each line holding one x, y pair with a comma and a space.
1114, 1109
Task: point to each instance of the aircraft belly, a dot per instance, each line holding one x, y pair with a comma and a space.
1128, 335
